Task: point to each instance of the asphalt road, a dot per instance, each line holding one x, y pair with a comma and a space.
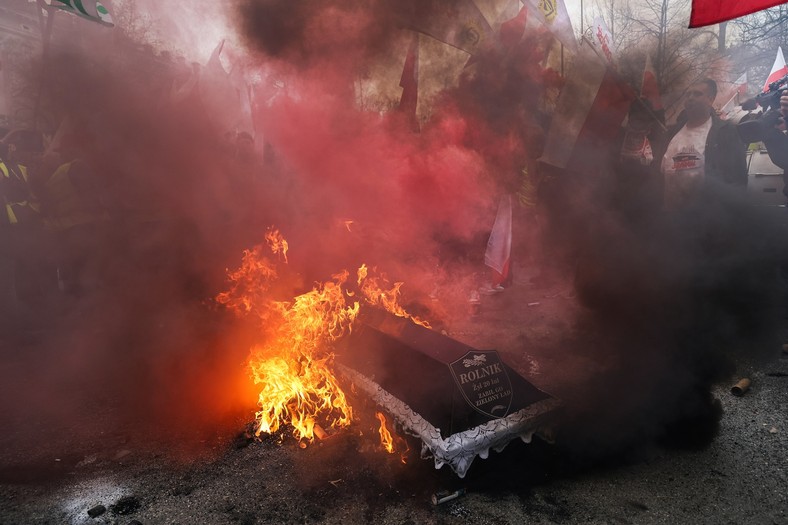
119, 469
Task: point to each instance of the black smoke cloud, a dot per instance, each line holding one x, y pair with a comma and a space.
681, 301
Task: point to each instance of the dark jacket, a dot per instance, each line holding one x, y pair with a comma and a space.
725, 155
776, 143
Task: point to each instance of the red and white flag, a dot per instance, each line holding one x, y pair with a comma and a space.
779, 70
732, 96
738, 88
707, 12
512, 30
499, 246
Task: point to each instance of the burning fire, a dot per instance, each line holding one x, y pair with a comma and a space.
385, 436
377, 295
292, 363
387, 439
277, 243
292, 368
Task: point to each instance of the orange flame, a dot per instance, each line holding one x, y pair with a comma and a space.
373, 290
293, 367
293, 363
391, 442
277, 242
249, 284
385, 436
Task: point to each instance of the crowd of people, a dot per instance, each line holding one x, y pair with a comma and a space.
68, 232
64, 225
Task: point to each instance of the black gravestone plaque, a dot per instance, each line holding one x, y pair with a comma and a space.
484, 382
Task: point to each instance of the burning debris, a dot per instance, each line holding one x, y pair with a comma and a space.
478, 401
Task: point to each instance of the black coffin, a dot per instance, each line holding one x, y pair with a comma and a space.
451, 385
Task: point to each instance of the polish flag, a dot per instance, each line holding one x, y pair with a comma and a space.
733, 95
707, 12
779, 70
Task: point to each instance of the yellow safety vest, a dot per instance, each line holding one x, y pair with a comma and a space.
19, 209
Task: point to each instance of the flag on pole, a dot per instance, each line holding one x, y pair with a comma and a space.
499, 245
589, 111
409, 82
461, 24
512, 31
649, 89
636, 145
708, 12
88, 9
779, 70
498, 11
732, 96
553, 14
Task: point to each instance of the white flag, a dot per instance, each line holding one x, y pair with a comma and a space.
499, 246
553, 14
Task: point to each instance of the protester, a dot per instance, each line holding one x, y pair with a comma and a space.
75, 214
700, 149
637, 191
775, 139
20, 227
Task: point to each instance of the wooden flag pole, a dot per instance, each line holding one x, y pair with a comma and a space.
46, 36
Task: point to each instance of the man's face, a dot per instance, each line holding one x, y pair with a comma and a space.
699, 99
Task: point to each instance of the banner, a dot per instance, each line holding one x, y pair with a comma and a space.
88, 9
459, 24
512, 30
603, 40
553, 14
707, 12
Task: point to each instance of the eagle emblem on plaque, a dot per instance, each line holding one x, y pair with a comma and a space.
484, 382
